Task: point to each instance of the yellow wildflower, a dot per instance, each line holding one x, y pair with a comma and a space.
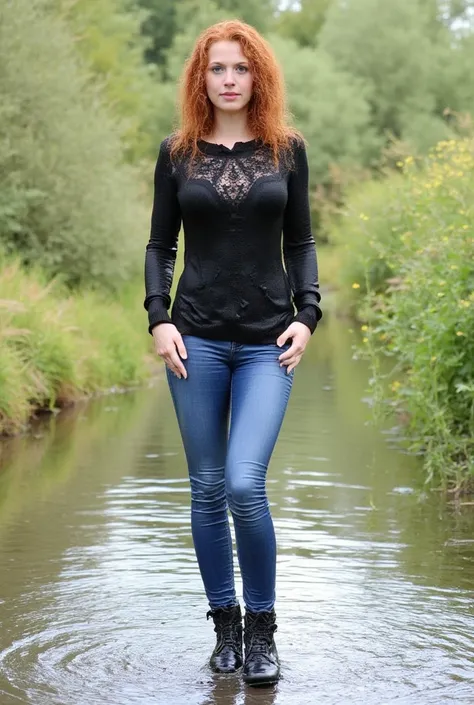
356, 285
459, 332
364, 327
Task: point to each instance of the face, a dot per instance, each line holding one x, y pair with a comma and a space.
228, 76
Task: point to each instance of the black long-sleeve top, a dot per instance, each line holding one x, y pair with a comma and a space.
239, 213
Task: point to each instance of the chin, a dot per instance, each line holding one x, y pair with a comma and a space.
233, 107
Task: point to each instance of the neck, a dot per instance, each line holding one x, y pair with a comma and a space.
228, 127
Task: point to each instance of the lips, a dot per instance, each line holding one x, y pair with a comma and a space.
230, 95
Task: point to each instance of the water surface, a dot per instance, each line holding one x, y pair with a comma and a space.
101, 601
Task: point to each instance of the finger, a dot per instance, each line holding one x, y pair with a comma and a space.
169, 364
288, 354
281, 340
181, 348
297, 348
177, 364
292, 366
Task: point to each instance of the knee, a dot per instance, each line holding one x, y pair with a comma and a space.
245, 492
207, 492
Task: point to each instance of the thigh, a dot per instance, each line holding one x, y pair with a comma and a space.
202, 401
260, 393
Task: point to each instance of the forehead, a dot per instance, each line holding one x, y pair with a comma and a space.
226, 52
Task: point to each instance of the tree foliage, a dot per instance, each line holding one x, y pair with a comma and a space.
164, 19
303, 22
318, 95
386, 44
67, 200
108, 35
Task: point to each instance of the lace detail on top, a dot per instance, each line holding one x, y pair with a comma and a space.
233, 176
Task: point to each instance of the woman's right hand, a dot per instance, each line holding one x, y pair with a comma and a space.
168, 343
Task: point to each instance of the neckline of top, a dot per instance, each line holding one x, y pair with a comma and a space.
215, 148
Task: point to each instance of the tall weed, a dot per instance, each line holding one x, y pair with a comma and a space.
409, 253
56, 347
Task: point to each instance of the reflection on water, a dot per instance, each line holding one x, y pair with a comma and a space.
101, 600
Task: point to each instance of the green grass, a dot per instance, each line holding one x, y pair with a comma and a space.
56, 347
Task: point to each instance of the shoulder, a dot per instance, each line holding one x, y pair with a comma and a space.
296, 157
165, 161
165, 145
297, 145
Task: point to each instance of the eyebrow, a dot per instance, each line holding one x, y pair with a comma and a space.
237, 63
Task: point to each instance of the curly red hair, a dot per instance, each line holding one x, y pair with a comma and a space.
268, 116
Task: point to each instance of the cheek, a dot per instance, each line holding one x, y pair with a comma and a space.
210, 83
248, 84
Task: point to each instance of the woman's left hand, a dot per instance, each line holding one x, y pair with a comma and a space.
300, 335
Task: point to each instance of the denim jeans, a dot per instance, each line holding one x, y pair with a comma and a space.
230, 410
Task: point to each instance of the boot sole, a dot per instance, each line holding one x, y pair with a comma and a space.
257, 682
233, 670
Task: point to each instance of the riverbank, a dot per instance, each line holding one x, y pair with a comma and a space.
407, 274
57, 347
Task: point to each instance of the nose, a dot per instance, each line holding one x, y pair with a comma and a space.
229, 78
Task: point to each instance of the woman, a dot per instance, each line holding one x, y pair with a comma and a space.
236, 176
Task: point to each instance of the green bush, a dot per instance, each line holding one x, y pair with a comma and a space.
56, 347
410, 256
67, 201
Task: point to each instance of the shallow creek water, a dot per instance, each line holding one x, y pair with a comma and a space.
101, 601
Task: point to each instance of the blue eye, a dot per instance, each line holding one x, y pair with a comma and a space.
239, 69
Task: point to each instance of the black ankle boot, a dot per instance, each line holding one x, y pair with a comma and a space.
227, 655
261, 666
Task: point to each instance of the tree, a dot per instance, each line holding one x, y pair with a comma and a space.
159, 27
330, 108
303, 21
164, 19
68, 202
108, 36
386, 44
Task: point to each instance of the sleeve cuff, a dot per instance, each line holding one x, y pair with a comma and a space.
157, 313
309, 315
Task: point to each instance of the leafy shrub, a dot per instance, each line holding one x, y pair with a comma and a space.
67, 201
416, 291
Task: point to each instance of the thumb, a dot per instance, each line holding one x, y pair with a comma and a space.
181, 348
281, 340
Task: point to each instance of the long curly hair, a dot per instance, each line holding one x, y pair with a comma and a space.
268, 116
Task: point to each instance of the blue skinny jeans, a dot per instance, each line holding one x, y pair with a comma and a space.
230, 410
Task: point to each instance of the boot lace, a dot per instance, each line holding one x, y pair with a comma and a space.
225, 628
260, 636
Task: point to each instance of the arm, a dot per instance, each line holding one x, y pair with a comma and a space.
299, 251
160, 257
